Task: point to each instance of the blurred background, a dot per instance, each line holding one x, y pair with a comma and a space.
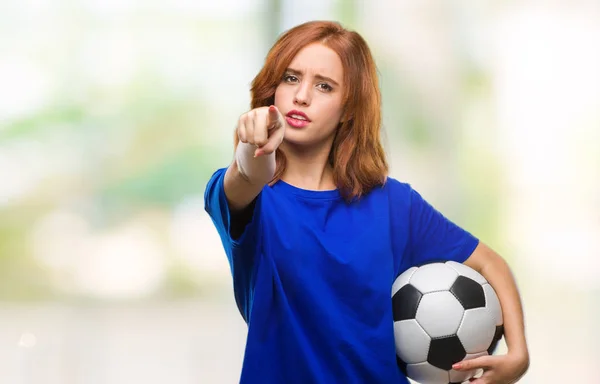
114, 114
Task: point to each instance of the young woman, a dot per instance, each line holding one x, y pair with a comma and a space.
316, 232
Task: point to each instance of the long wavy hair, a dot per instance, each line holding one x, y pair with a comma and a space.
357, 155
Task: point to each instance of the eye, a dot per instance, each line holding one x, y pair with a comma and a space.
325, 87
290, 78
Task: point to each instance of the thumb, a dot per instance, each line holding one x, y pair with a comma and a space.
483, 362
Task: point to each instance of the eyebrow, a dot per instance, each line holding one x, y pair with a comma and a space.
320, 77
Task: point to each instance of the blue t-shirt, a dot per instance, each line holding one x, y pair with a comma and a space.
313, 275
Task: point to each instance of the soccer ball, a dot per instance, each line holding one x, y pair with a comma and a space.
444, 312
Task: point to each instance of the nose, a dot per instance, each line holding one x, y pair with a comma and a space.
302, 96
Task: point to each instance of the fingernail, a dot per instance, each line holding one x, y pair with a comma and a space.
457, 366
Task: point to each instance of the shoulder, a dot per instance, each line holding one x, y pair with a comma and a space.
396, 185
399, 195
396, 189
216, 176
214, 185
395, 194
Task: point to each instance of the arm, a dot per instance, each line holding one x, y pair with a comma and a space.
232, 196
431, 235
497, 272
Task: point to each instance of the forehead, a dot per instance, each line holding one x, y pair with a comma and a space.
318, 59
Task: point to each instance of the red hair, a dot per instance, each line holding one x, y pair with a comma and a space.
357, 156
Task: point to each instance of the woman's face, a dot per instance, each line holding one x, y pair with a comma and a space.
310, 95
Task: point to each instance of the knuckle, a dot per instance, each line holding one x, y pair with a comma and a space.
264, 115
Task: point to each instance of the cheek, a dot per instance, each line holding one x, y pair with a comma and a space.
334, 112
279, 95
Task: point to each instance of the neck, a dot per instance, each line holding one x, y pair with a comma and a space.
308, 168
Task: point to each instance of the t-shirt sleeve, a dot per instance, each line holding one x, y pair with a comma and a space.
433, 237
239, 235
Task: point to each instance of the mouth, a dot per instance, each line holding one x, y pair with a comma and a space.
298, 115
297, 119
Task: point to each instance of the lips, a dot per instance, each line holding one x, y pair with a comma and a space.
297, 119
299, 115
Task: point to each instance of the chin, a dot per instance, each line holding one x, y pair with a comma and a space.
303, 139
295, 142
296, 136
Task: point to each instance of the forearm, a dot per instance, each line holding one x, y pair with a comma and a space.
499, 275
497, 272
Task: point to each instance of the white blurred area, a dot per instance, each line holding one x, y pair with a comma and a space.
539, 128
548, 104
129, 261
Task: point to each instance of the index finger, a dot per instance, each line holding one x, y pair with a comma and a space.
482, 362
273, 117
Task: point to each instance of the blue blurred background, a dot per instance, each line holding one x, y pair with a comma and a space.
114, 114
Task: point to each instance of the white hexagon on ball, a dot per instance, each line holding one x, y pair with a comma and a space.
433, 277
477, 329
427, 373
439, 313
402, 280
492, 303
412, 343
466, 271
460, 376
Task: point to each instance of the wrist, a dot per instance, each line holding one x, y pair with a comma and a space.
257, 170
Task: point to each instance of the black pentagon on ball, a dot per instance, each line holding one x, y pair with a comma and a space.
468, 292
497, 336
405, 303
445, 351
